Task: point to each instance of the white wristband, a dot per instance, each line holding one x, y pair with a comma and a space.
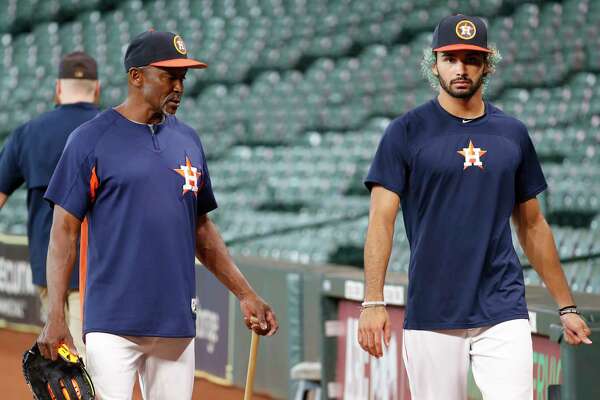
366, 304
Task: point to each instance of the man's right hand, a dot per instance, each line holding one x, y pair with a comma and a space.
258, 315
55, 333
374, 322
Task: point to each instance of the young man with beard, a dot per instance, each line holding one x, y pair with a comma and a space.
138, 177
462, 169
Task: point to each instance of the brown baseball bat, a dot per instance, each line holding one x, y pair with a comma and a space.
251, 366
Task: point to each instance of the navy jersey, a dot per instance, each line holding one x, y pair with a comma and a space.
459, 182
141, 189
30, 156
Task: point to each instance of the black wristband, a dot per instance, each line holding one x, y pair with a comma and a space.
568, 310
564, 308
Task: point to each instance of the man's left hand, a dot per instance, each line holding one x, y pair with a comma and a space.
258, 315
575, 329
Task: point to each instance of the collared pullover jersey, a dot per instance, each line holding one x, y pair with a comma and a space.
141, 189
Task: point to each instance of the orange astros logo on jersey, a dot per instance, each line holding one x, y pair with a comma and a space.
472, 156
190, 175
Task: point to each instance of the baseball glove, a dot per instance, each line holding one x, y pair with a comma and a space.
63, 379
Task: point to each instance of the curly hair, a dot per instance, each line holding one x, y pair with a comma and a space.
429, 57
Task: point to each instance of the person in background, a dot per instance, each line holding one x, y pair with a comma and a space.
30, 156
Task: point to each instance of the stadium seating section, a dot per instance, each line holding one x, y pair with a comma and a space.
298, 93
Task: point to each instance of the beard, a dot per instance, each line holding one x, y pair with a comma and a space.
168, 108
461, 93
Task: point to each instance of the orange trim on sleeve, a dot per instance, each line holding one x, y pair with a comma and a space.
94, 183
83, 242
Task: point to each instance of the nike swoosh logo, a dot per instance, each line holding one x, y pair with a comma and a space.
466, 121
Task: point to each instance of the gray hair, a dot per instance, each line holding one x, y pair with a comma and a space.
429, 58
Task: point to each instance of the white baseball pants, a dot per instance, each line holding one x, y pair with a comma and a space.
501, 356
165, 366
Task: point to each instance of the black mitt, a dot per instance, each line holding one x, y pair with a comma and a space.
63, 379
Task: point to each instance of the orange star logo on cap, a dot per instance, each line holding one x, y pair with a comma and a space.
465, 29
179, 45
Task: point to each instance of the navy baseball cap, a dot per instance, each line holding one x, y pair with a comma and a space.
159, 49
460, 32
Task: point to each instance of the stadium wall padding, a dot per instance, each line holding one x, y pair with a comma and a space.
315, 305
550, 363
581, 368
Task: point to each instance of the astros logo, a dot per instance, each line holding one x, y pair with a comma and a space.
465, 29
191, 175
472, 156
179, 45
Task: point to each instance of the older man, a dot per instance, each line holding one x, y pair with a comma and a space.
138, 177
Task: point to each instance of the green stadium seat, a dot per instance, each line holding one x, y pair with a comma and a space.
594, 281
297, 82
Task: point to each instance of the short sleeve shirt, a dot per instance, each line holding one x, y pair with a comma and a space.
142, 189
459, 181
30, 156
